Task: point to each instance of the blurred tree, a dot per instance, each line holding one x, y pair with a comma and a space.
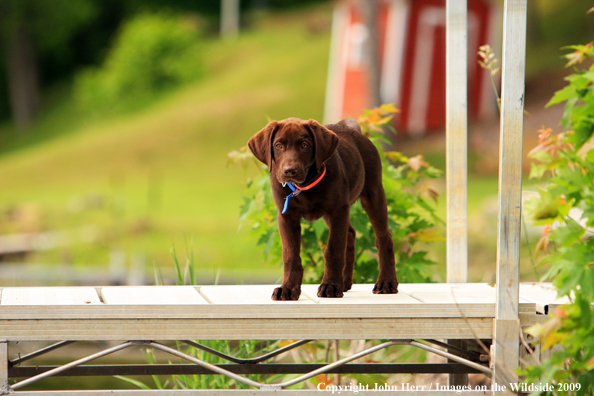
229, 18
45, 41
26, 28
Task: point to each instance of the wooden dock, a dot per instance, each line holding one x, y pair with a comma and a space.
418, 311
143, 314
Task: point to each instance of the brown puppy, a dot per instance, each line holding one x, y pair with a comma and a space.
347, 167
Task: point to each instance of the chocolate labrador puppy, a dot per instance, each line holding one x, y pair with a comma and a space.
317, 172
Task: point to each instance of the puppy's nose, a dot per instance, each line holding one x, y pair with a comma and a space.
290, 170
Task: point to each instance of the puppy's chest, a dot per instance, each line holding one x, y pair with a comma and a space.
309, 209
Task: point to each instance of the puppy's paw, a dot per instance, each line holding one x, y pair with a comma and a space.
347, 284
386, 287
285, 294
330, 291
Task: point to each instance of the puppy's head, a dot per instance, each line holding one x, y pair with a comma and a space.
293, 145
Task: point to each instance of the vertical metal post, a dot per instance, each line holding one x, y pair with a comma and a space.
506, 337
456, 139
4, 367
456, 145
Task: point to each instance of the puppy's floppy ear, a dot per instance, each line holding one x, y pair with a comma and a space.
261, 143
325, 141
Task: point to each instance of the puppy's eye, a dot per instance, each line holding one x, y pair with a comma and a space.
304, 145
278, 146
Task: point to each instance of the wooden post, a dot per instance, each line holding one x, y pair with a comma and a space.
456, 140
506, 337
3, 367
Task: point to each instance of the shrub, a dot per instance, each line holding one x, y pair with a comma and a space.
151, 53
566, 209
411, 215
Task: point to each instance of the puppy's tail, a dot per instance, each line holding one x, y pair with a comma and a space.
349, 122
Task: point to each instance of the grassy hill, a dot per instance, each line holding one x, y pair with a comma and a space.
157, 177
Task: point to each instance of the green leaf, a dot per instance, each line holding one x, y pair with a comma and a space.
564, 94
537, 171
569, 233
132, 381
590, 156
272, 238
544, 207
567, 113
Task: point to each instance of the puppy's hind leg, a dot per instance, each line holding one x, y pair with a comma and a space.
374, 203
334, 256
349, 264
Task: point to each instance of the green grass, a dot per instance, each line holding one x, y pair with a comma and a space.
161, 171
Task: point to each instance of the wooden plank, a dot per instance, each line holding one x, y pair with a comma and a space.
457, 293
456, 140
245, 294
245, 329
510, 158
247, 311
544, 295
437, 300
44, 296
359, 294
456, 151
151, 295
462, 293
529, 319
414, 300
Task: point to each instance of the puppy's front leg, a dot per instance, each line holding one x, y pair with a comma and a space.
290, 232
334, 256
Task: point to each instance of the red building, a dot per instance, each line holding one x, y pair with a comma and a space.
411, 42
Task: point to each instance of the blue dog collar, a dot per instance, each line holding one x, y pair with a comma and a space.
298, 189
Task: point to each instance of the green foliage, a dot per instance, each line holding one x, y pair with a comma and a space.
153, 52
410, 211
566, 208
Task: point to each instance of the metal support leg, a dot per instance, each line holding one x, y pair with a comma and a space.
455, 358
40, 352
74, 364
457, 379
4, 389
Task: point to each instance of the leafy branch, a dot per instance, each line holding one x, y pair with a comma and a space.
565, 207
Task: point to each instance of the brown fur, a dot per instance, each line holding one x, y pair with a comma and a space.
353, 171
